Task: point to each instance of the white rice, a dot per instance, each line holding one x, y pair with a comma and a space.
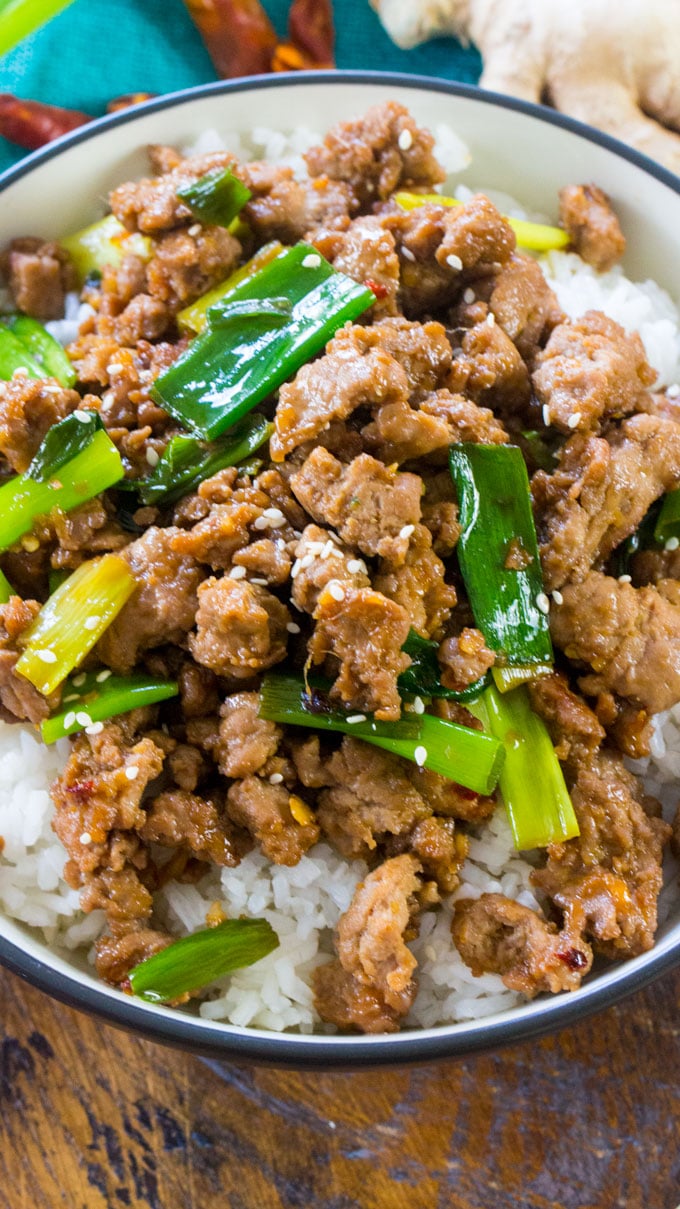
304, 903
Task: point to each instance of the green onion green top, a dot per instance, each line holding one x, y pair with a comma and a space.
186, 462
42, 347
92, 697
216, 198
103, 245
423, 677
195, 961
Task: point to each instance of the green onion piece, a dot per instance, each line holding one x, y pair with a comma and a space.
103, 245
498, 552
423, 677
100, 695
506, 678
285, 698
63, 442
56, 577
197, 960
23, 500
19, 18
187, 462
463, 755
47, 351
15, 355
194, 318
531, 781
216, 198
6, 589
227, 371
668, 521
73, 619
534, 235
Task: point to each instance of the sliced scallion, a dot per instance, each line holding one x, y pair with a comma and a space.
103, 245
534, 235
215, 198
6, 589
195, 961
15, 355
194, 318
186, 461
45, 350
100, 695
423, 677
667, 524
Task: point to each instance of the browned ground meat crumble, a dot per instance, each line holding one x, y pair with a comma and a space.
340, 543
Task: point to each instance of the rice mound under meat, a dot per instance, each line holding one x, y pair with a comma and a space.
304, 902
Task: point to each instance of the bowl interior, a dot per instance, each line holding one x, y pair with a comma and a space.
515, 148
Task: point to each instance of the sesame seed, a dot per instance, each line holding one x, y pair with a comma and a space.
81, 415
469, 296
152, 457
673, 391
95, 729
545, 412
405, 140
261, 522
79, 680
293, 627
454, 262
83, 719
132, 772
276, 778
86, 838
542, 602
336, 590
558, 597
355, 565
71, 697
261, 583
490, 319
194, 229
30, 544
418, 705
407, 531
624, 579
312, 261
672, 544
92, 622
420, 756
274, 514
354, 718
69, 719
104, 675
407, 254
306, 561
574, 420
295, 569
114, 367
47, 656
237, 573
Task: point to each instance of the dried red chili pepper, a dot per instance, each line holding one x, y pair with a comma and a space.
128, 100
310, 29
287, 57
238, 35
32, 124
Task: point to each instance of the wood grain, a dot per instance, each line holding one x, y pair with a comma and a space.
93, 1118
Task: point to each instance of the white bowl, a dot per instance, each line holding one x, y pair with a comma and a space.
525, 150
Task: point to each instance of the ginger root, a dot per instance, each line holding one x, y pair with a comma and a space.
612, 63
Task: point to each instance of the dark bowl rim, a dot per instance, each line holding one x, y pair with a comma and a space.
318, 1052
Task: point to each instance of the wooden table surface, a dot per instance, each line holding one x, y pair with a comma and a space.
93, 1118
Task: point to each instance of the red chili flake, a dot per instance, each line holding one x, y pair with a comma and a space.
81, 790
574, 958
379, 290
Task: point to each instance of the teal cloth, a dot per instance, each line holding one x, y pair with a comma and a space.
99, 49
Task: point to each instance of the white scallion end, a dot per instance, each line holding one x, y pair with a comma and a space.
420, 756
542, 602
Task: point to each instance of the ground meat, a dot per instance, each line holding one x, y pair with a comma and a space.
101, 789
418, 584
185, 266
366, 253
422, 349
182, 819
240, 628
144, 318
489, 369
163, 606
586, 213
19, 700
369, 798
495, 935
28, 409
245, 741
89, 529
373, 508
38, 275
446, 798
198, 688
117, 955
440, 849
574, 728
267, 559
376, 154
265, 811
187, 766
652, 566
331, 388
440, 513
464, 659
122, 895
675, 837
600, 492
371, 987
524, 305
152, 205
364, 632
320, 559
629, 636
286, 209
607, 880
590, 369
